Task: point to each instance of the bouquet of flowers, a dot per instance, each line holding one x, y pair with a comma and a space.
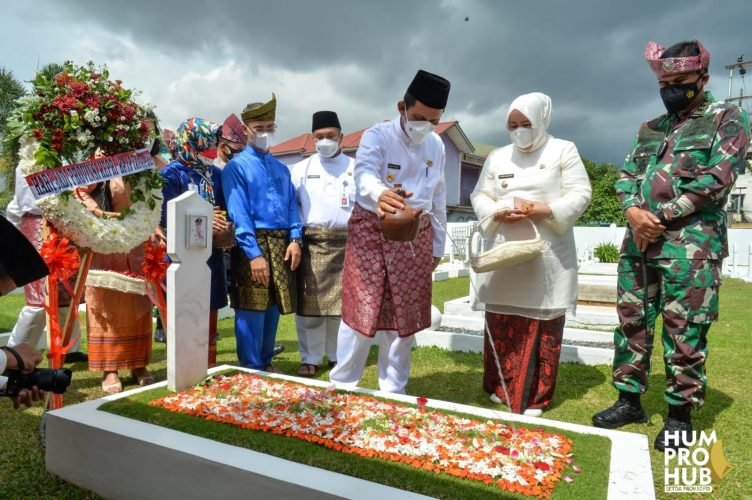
76, 112
68, 117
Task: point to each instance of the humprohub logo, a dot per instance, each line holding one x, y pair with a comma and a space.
696, 468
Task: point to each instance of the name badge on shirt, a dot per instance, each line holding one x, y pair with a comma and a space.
506, 176
344, 200
314, 176
394, 166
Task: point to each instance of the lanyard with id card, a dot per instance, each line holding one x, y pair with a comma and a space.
344, 200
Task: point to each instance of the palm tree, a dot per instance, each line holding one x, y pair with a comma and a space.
10, 90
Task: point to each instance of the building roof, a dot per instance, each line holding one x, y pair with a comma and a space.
303, 144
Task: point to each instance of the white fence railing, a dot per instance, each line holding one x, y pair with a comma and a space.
738, 263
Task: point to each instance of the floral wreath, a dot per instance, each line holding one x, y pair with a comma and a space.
67, 118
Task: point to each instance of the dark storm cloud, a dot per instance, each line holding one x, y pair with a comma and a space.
587, 55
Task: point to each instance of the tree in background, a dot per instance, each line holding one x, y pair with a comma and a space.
605, 207
10, 90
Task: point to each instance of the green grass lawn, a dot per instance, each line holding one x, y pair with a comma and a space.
439, 374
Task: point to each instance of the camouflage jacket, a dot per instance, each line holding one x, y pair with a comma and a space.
683, 169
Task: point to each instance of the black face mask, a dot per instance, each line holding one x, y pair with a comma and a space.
679, 96
231, 152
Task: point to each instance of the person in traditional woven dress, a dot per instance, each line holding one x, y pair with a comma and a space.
193, 168
325, 189
118, 323
541, 178
386, 284
261, 203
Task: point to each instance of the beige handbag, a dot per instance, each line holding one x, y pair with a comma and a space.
496, 252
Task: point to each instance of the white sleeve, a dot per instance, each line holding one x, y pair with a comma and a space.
575, 191
438, 208
368, 164
3, 360
483, 197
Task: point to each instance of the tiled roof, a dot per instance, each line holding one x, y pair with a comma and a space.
303, 144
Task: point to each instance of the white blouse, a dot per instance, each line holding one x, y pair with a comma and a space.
544, 287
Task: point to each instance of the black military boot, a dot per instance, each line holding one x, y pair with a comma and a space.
626, 410
677, 431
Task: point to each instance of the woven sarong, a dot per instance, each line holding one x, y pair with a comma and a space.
320, 272
386, 285
118, 325
245, 294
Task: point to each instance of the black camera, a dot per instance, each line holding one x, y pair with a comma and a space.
49, 380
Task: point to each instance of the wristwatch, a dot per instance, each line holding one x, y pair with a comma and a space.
299, 241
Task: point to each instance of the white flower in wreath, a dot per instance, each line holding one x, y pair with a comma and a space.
75, 221
84, 137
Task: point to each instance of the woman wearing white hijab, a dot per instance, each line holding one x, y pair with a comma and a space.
543, 179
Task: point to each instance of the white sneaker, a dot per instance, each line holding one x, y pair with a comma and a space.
533, 412
495, 399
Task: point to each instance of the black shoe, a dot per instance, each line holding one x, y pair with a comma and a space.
76, 357
159, 336
278, 349
626, 410
677, 431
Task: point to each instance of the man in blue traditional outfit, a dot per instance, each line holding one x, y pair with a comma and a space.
261, 203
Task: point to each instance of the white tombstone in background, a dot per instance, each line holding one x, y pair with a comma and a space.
189, 245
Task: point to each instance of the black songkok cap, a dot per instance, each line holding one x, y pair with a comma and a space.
18, 257
432, 90
325, 119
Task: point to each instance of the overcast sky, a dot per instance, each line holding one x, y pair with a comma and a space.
357, 57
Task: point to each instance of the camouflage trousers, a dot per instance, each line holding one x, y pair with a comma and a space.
685, 291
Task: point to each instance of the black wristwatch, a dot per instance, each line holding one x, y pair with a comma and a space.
299, 241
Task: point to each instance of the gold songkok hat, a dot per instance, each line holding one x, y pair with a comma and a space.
258, 112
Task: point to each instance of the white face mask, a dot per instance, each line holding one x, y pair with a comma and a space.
206, 162
522, 137
219, 162
327, 147
417, 131
264, 140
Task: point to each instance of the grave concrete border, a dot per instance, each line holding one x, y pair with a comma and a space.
117, 457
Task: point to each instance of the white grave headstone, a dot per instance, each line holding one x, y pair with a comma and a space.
189, 245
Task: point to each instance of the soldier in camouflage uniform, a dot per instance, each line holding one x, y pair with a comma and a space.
673, 189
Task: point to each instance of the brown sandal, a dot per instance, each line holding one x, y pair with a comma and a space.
142, 376
307, 370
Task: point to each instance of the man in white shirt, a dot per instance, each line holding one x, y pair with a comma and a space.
387, 284
32, 320
325, 190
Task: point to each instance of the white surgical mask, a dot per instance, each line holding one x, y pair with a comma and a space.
219, 162
522, 137
264, 140
206, 162
417, 131
327, 147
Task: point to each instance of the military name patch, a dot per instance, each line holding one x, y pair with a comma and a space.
314, 176
506, 176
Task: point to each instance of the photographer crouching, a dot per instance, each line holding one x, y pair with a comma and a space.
22, 381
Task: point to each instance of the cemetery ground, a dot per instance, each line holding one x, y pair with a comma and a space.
452, 376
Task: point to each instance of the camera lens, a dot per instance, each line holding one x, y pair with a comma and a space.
56, 381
